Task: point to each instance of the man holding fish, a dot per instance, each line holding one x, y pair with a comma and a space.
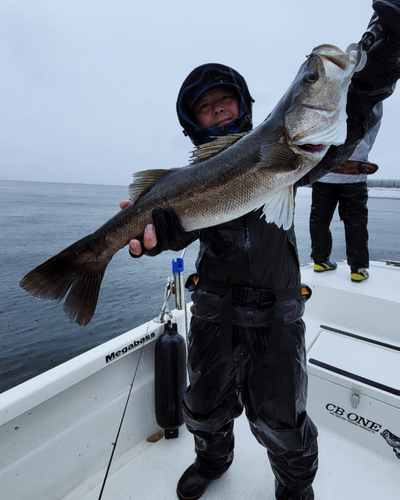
246, 347
244, 264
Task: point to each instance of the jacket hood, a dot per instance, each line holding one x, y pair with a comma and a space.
202, 79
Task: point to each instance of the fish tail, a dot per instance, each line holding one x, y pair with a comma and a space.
75, 273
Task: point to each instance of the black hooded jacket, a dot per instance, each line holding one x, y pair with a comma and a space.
252, 253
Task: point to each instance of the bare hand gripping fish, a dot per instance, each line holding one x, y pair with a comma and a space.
228, 179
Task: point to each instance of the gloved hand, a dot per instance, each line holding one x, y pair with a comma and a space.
382, 42
169, 230
389, 15
170, 233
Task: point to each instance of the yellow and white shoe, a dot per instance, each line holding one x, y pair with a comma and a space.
359, 276
321, 267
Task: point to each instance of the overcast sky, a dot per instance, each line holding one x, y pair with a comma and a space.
88, 87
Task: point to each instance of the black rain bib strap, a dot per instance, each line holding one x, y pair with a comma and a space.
230, 294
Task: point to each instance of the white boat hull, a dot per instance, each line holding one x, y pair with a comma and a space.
57, 429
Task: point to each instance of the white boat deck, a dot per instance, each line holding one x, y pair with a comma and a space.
346, 471
348, 468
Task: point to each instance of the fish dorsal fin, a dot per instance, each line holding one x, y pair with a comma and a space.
280, 208
144, 180
279, 156
210, 149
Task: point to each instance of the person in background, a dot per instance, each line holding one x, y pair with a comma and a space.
246, 346
346, 186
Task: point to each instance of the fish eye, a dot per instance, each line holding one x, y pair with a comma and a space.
311, 77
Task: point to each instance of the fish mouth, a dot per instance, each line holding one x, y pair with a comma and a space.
333, 54
312, 148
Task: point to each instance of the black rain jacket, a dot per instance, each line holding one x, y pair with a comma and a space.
250, 252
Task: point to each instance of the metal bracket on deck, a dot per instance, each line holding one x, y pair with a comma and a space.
176, 286
165, 310
355, 397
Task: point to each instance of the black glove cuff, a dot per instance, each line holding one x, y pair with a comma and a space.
169, 230
170, 233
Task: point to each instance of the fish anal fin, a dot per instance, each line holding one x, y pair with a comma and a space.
145, 180
210, 149
279, 209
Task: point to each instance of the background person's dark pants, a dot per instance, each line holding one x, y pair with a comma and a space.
268, 378
353, 211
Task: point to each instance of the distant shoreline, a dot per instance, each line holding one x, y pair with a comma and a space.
373, 191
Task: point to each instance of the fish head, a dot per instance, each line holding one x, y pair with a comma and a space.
315, 117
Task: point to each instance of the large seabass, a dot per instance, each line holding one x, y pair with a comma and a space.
228, 178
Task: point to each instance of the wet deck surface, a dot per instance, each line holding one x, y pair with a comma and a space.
346, 471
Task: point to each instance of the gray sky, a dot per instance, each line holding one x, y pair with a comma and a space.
88, 87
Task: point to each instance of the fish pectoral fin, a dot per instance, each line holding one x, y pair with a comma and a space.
280, 208
278, 156
210, 149
143, 181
